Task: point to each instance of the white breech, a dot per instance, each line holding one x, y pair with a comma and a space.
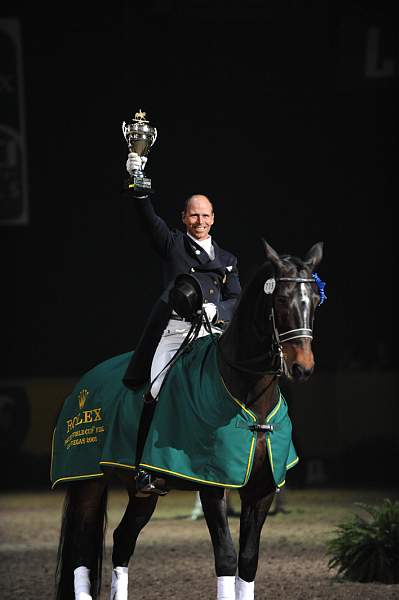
119, 583
81, 577
171, 340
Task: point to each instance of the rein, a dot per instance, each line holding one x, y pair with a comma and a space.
192, 334
200, 319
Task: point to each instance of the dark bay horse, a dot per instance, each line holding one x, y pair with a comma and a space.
269, 335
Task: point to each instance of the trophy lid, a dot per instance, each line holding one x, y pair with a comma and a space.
140, 117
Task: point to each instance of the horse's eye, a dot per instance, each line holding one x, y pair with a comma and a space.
281, 300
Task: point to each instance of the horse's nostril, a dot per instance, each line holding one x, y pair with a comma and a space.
299, 372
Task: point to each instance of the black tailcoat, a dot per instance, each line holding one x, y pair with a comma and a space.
180, 254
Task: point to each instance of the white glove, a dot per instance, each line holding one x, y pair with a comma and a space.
135, 163
210, 310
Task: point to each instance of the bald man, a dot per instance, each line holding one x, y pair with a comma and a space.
190, 251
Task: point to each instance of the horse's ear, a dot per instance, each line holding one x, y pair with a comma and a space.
314, 255
271, 254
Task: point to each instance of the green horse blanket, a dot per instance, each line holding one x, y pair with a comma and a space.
199, 431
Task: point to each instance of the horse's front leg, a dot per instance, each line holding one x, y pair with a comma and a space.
137, 514
214, 505
253, 515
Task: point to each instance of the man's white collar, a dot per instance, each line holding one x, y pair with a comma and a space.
205, 244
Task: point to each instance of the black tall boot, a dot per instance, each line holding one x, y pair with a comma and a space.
146, 482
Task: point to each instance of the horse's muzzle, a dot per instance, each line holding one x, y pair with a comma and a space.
299, 359
300, 373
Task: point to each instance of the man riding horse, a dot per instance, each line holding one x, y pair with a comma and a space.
192, 265
222, 423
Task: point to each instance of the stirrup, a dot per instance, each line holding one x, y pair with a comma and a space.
145, 485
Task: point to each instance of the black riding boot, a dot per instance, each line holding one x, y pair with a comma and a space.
146, 482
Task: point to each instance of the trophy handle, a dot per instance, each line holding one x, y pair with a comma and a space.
124, 130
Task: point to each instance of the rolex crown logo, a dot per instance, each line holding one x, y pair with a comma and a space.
82, 398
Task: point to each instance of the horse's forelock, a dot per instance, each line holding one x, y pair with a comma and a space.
293, 265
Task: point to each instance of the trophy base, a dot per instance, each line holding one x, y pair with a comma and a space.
139, 185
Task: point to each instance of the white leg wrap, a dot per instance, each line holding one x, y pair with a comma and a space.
245, 590
197, 511
81, 577
226, 588
119, 583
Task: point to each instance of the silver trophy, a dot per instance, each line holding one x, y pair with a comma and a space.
140, 137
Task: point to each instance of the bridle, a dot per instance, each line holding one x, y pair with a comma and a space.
278, 338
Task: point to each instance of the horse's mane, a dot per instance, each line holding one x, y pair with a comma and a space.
261, 273
249, 299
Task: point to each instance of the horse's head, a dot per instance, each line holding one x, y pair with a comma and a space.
271, 330
295, 292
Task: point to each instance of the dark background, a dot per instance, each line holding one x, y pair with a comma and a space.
269, 110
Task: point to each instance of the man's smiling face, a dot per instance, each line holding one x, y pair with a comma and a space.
198, 217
